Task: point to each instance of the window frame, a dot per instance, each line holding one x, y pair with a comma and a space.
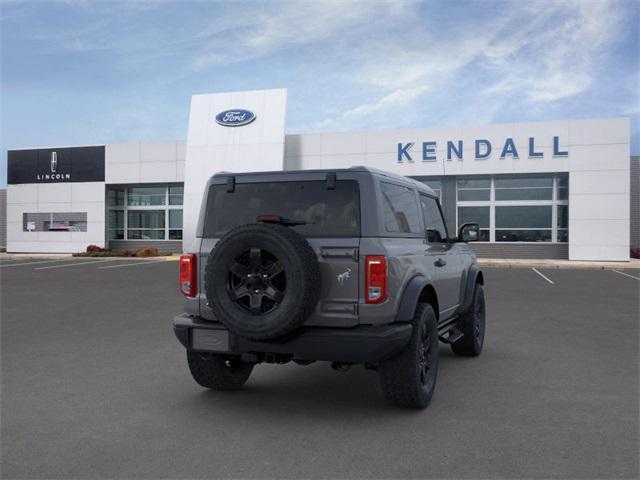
492, 203
125, 208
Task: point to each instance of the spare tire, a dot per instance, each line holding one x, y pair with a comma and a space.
262, 280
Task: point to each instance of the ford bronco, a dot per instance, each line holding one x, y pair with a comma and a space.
350, 266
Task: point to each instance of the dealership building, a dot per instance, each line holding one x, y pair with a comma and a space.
562, 189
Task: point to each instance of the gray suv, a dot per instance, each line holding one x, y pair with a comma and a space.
348, 266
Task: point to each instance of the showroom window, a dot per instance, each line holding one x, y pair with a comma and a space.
144, 212
516, 208
479, 215
474, 189
54, 222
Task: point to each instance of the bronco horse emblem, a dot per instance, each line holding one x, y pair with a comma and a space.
342, 277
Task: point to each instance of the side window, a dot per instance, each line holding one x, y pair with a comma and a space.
436, 231
400, 208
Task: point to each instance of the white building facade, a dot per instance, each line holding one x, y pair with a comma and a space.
538, 190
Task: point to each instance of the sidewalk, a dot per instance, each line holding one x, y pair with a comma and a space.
556, 264
62, 256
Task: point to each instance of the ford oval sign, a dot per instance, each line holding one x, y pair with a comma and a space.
235, 118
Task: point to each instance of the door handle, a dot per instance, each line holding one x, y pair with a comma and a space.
440, 263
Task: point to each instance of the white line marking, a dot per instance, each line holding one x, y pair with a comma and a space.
546, 278
141, 262
626, 275
31, 263
73, 264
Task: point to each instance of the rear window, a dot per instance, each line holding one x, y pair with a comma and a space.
327, 213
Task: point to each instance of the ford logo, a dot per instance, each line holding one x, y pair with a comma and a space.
235, 118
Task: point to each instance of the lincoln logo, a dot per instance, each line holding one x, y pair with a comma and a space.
54, 175
235, 118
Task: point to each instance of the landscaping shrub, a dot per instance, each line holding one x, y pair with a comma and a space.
95, 251
147, 252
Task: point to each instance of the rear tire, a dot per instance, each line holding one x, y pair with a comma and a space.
219, 372
472, 325
409, 378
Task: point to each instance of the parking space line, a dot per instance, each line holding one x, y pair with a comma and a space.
546, 278
73, 264
2, 265
626, 274
141, 262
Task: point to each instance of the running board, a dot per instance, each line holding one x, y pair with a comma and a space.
451, 336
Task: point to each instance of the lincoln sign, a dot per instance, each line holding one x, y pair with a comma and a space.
482, 150
56, 165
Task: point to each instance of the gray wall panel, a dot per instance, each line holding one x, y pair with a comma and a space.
163, 246
3, 217
635, 201
449, 203
558, 251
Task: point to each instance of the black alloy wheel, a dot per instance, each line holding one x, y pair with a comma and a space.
472, 324
478, 320
257, 281
424, 357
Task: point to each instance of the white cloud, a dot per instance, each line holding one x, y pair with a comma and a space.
539, 52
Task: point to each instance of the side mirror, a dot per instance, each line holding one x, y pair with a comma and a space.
469, 232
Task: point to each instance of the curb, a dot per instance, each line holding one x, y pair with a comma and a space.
560, 265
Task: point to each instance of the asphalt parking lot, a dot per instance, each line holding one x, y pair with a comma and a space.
94, 385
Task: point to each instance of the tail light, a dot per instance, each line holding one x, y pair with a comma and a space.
375, 279
188, 279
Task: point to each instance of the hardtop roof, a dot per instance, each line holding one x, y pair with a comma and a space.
357, 168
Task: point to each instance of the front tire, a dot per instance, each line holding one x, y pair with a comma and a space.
409, 378
472, 325
218, 372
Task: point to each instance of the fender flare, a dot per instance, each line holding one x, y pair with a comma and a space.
409, 299
472, 278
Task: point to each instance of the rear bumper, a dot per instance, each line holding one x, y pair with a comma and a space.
361, 344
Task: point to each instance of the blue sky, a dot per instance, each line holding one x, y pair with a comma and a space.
94, 72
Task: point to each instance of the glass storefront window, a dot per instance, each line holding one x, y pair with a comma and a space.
54, 222
525, 216
516, 208
146, 196
145, 234
115, 224
176, 194
145, 224
523, 188
145, 219
479, 215
144, 212
474, 189
175, 224
563, 223
115, 197
563, 187
523, 235
530, 223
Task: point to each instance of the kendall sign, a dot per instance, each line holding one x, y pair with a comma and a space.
482, 150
